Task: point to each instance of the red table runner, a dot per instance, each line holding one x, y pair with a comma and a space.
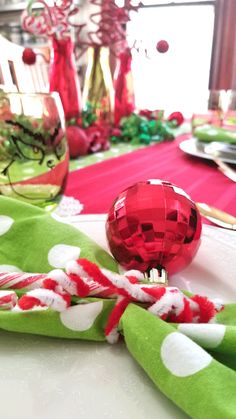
96, 186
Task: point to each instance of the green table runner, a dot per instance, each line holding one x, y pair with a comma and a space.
117, 150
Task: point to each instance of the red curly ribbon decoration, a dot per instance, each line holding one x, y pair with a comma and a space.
109, 21
50, 20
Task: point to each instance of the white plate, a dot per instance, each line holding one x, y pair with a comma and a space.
212, 271
45, 378
190, 147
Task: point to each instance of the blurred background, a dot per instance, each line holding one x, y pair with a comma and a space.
201, 57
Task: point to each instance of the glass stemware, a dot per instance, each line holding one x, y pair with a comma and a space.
33, 149
214, 112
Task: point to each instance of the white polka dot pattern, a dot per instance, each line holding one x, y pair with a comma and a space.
208, 335
9, 268
60, 254
183, 357
82, 316
5, 224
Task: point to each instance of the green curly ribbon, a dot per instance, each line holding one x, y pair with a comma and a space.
88, 115
135, 129
138, 129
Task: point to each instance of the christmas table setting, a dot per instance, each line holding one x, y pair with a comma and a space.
116, 300
64, 286
100, 121
96, 186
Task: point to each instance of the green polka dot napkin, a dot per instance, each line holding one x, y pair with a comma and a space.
33, 241
192, 364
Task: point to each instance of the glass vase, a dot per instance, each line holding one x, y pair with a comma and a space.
123, 85
98, 85
63, 77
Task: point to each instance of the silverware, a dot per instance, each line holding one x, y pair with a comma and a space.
217, 151
220, 149
216, 216
226, 169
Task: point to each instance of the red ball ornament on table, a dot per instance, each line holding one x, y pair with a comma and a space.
153, 224
162, 46
29, 56
77, 140
176, 118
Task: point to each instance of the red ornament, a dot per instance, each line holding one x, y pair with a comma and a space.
146, 113
98, 137
162, 46
29, 56
78, 141
177, 118
153, 224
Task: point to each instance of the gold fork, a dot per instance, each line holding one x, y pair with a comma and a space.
216, 216
226, 169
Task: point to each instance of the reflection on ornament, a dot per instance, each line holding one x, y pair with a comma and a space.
153, 224
98, 86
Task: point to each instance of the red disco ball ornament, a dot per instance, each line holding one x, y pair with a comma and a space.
153, 224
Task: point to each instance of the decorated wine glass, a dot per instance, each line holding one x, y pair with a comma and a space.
33, 148
215, 111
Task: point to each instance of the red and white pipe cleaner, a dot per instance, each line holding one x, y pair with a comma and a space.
84, 278
44, 298
8, 300
19, 280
